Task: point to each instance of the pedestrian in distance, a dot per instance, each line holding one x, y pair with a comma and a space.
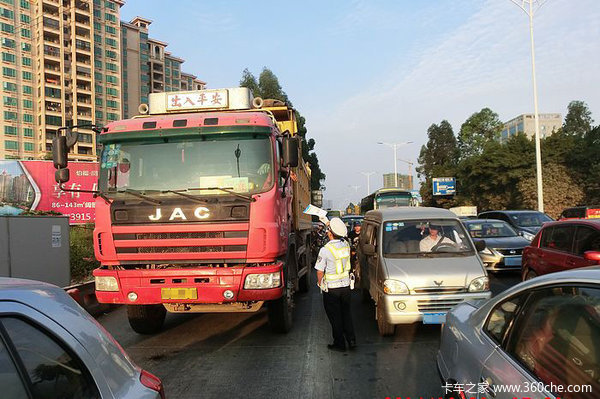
336, 281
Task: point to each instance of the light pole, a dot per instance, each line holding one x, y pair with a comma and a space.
395, 147
368, 174
529, 8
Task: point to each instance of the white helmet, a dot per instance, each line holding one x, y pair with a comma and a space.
338, 227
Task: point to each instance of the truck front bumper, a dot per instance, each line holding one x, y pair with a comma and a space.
210, 285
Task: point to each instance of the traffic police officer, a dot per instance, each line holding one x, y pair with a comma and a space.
334, 278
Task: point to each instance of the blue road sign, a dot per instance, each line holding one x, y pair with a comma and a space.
444, 186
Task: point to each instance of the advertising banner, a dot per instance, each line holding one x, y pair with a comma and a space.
30, 186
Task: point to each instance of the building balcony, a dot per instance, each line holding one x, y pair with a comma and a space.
85, 89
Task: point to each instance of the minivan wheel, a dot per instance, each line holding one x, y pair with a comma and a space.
385, 329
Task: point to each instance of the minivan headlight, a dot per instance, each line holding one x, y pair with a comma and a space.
395, 287
479, 284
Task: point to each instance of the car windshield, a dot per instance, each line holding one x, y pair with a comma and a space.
240, 164
529, 219
393, 199
490, 229
425, 236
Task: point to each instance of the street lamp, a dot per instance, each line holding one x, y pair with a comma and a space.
530, 7
368, 175
395, 147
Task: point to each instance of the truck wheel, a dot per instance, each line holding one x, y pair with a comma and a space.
304, 282
281, 310
385, 329
146, 319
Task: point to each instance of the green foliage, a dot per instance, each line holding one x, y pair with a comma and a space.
267, 87
495, 175
83, 261
578, 120
479, 129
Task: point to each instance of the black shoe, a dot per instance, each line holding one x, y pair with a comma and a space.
336, 348
352, 344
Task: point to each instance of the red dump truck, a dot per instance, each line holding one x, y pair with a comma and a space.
199, 207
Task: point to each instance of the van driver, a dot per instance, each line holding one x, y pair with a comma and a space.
433, 239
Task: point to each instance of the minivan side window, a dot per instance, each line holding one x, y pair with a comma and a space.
546, 237
561, 238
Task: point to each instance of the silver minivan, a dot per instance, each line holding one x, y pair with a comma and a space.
417, 263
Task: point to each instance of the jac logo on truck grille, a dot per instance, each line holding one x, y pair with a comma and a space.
200, 212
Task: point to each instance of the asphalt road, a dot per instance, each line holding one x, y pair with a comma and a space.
237, 356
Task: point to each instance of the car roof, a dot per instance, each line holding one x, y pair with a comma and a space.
410, 212
513, 211
589, 222
54, 303
473, 221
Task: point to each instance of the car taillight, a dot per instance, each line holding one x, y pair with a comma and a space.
151, 381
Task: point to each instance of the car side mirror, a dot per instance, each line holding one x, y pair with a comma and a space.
592, 255
479, 245
368, 249
290, 151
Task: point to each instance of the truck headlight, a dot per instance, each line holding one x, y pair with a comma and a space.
106, 283
528, 236
479, 284
262, 281
395, 287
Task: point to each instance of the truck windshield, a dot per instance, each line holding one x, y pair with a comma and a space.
417, 237
240, 164
393, 199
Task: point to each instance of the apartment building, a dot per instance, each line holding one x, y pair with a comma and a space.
61, 63
405, 182
148, 67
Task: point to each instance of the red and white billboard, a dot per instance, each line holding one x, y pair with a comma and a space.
30, 185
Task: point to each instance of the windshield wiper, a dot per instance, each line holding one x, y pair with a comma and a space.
227, 190
188, 196
136, 193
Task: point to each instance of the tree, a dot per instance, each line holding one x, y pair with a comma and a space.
578, 120
438, 158
268, 87
478, 130
560, 191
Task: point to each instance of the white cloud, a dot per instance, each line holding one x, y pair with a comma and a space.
483, 63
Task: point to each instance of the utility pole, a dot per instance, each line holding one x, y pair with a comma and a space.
395, 147
368, 175
530, 7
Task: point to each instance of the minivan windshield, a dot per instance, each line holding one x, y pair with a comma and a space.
425, 236
490, 229
529, 219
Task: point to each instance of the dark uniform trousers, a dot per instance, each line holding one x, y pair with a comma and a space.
337, 307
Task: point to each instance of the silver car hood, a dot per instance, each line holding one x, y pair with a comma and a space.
455, 271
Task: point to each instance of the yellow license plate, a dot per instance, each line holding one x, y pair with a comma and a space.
179, 293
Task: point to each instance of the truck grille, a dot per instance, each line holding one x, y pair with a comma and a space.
439, 290
437, 305
510, 251
181, 242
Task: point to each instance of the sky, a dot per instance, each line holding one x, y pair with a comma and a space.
369, 71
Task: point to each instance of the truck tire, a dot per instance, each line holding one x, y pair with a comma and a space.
385, 329
146, 319
306, 261
281, 310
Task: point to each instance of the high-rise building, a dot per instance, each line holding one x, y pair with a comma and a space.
148, 67
405, 182
525, 123
61, 67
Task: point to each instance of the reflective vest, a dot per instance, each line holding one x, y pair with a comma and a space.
342, 264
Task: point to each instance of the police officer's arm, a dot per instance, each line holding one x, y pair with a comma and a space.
320, 275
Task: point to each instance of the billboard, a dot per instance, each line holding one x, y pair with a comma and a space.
30, 186
444, 186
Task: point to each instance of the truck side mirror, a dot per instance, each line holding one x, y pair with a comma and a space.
61, 176
290, 151
60, 152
